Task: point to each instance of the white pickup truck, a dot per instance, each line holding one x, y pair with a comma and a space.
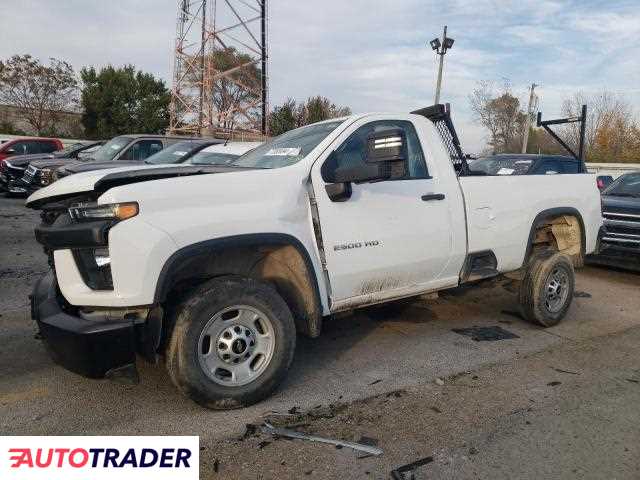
217, 268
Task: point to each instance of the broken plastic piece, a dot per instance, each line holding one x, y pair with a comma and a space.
398, 473
284, 432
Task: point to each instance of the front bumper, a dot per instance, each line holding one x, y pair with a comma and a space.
89, 348
614, 252
28, 187
11, 184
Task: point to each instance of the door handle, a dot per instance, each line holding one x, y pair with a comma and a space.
433, 196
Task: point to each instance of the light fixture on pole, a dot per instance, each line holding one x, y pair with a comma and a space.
441, 47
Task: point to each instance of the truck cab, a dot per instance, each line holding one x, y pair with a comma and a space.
215, 269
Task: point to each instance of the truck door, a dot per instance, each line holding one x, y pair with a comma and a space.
390, 238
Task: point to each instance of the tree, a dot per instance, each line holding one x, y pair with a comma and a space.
501, 114
611, 133
122, 100
293, 115
237, 89
283, 118
40, 91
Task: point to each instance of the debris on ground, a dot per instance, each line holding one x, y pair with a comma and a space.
249, 431
579, 294
364, 440
395, 393
559, 370
473, 451
399, 473
439, 382
554, 383
287, 433
486, 334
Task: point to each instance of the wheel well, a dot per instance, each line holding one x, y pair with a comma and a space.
280, 262
561, 230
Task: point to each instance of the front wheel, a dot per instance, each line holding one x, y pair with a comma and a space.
546, 291
232, 343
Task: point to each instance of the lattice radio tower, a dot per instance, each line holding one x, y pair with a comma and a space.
220, 83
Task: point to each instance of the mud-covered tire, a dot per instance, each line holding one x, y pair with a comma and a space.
546, 291
205, 309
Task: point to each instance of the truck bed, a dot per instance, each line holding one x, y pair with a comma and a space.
501, 211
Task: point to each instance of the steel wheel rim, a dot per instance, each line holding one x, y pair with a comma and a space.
556, 289
236, 345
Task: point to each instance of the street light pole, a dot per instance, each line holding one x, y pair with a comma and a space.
441, 47
533, 105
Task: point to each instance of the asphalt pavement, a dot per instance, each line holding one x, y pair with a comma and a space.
367, 355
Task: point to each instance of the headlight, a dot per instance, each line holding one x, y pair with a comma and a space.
46, 176
113, 211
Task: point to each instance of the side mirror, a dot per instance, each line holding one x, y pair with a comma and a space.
385, 159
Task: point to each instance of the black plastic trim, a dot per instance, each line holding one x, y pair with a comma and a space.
470, 273
254, 239
554, 212
74, 235
88, 348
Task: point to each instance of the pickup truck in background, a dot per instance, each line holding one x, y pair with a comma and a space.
14, 169
217, 268
620, 242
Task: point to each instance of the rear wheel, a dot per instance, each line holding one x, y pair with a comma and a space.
546, 291
232, 344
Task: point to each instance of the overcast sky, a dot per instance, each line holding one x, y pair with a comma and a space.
371, 55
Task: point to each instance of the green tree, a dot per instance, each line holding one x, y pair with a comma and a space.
40, 91
122, 100
293, 115
283, 118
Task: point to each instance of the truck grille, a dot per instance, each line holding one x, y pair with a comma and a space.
30, 173
622, 227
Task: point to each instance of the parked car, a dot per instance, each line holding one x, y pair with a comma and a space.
41, 174
28, 145
127, 150
526, 164
13, 169
222, 154
620, 242
217, 268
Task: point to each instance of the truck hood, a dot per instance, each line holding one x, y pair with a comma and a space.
102, 180
22, 161
50, 162
87, 166
613, 203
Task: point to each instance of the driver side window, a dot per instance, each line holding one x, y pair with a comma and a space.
353, 151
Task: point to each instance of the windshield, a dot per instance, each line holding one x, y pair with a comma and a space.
626, 186
288, 148
69, 150
212, 158
500, 166
110, 149
173, 154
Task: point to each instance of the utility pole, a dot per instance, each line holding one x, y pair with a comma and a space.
441, 47
531, 108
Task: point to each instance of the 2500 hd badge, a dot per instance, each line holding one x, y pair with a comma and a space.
350, 246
